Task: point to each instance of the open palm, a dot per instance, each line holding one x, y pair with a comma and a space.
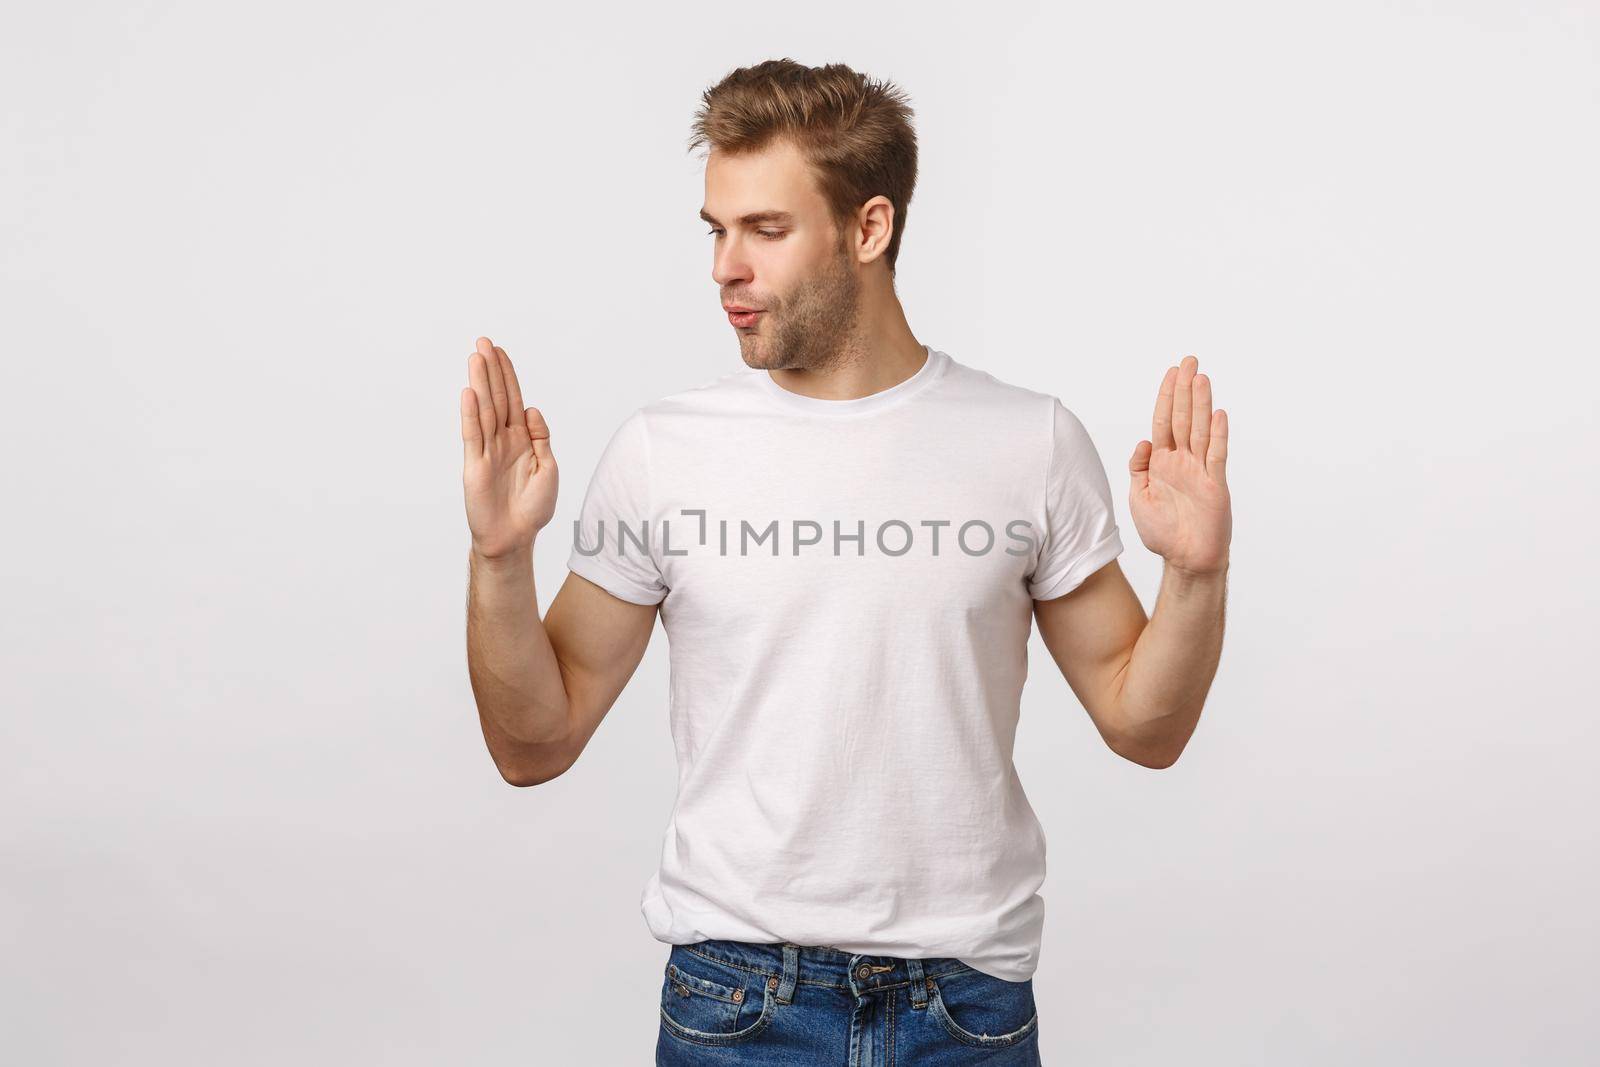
1179, 497
509, 473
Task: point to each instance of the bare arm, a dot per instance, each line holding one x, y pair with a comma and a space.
542, 686
1144, 681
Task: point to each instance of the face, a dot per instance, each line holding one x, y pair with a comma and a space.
778, 250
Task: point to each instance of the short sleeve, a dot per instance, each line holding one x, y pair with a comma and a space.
613, 542
1082, 533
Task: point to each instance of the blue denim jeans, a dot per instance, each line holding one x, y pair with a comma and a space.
780, 1004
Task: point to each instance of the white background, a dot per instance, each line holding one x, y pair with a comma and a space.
246, 813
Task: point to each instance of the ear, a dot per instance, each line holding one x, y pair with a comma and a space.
875, 222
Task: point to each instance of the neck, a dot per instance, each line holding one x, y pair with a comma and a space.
881, 352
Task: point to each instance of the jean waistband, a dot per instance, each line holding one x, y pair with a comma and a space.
786, 965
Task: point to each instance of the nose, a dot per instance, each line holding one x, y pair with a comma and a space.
729, 264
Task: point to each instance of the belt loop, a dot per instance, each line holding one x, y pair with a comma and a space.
791, 973
919, 984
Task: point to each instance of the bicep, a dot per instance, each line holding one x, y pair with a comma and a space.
1090, 633
598, 640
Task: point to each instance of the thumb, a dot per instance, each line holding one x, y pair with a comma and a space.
539, 433
471, 428
1139, 465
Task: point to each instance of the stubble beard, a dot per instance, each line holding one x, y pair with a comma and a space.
815, 326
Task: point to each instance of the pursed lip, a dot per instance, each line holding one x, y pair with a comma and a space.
735, 309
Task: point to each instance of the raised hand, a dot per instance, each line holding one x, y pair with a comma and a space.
510, 473
1179, 497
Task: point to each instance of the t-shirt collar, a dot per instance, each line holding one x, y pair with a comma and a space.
933, 366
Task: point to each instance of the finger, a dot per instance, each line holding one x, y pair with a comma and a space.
497, 383
478, 375
513, 388
1139, 466
471, 431
1161, 421
1217, 453
539, 433
1182, 403
1200, 436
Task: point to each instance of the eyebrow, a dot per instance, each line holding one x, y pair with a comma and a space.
754, 218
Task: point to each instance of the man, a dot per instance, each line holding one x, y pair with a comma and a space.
847, 541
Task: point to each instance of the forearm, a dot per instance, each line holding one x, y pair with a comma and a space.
1174, 661
515, 675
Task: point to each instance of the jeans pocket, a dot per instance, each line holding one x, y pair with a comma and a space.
711, 1003
983, 1011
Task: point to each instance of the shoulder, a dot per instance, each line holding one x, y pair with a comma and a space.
726, 392
979, 392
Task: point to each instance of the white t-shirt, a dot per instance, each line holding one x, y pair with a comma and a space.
847, 589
